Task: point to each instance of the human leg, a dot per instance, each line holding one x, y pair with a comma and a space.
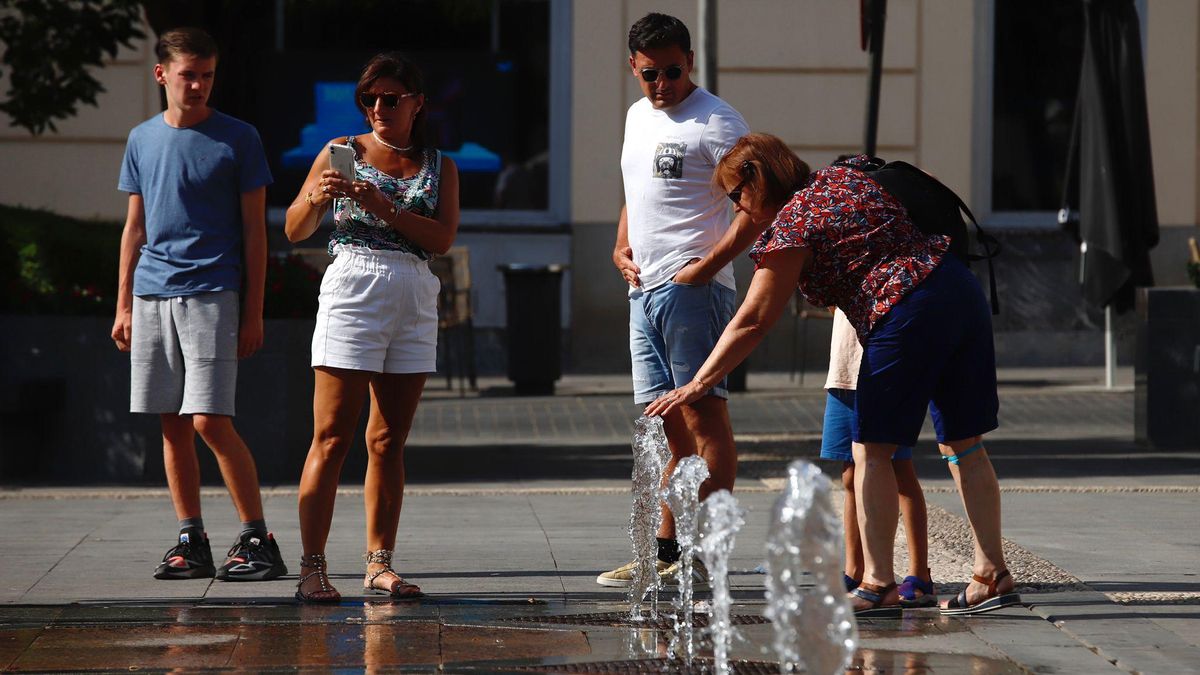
837, 434
255, 555
878, 515
853, 568
191, 556
980, 492
235, 461
916, 517
181, 465
338, 396
394, 400
690, 320
917, 587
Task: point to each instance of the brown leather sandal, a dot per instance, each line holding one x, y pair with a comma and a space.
875, 595
994, 600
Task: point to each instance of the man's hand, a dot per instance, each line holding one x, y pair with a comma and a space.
250, 335
122, 330
623, 259
692, 274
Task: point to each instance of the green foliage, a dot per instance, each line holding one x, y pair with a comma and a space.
1193, 270
49, 46
52, 264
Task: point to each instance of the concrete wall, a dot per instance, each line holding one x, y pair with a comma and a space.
74, 171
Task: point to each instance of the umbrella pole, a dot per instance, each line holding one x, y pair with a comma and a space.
1110, 350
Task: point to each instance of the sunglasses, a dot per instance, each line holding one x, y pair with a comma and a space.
746, 170
389, 100
672, 73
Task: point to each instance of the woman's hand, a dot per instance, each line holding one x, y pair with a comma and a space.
332, 184
671, 401
371, 198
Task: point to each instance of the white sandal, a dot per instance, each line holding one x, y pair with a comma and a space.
401, 591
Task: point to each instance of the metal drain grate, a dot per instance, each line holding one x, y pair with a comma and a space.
621, 619
698, 665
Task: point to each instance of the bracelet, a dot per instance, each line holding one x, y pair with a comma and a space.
702, 382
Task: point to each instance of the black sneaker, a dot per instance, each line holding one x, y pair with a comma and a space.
191, 558
253, 559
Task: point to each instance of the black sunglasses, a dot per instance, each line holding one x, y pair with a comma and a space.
672, 73
389, 100
746, 170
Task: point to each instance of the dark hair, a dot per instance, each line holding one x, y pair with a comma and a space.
186, 40
656, 31
771, 170
396, 66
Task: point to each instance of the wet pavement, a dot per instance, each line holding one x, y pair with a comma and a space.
512, 512
442, 634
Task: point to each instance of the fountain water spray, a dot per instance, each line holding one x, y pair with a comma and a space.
650, 457
720, 520
683, 496
815, 631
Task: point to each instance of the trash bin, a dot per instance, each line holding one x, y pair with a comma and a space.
1167, 368
533, 296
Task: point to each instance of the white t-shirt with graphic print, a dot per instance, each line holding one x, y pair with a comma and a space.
674, 211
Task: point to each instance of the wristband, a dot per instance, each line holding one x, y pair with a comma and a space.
702, 382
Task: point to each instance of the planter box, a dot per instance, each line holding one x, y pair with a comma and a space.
1167, 367
64, 405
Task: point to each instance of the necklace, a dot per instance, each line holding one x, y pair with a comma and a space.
389, 145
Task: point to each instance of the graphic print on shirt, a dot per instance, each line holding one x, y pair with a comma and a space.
668, 160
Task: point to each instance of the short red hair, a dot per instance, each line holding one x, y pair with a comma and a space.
767, 165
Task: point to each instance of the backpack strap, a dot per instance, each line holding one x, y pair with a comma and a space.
990, 245
991, 249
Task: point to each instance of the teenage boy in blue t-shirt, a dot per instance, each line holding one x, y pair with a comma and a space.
195, 232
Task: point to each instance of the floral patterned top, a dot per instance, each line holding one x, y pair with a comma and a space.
355, 226
866, 252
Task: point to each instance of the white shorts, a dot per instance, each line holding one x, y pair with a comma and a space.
378, 313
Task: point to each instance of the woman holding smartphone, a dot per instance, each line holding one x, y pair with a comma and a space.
376, 334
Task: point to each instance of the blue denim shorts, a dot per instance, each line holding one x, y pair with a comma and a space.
672, 330
837, 431
935, 346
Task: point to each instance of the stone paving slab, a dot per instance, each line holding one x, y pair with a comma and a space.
608, 418
483, 556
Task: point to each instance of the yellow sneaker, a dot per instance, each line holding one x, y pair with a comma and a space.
622, 577
669, 575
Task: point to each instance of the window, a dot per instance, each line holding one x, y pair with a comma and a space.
1032, 55
1038, 51
496, 78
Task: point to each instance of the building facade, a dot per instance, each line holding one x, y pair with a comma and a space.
977, 92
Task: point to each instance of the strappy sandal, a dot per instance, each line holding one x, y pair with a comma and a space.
875, 595
908, 591
850, 582
402, 590
327, 594
992, 601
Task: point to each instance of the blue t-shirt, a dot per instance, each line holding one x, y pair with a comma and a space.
191, 181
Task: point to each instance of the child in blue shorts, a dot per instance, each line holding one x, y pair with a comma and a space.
845, 353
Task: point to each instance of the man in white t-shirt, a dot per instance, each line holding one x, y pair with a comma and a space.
675, 247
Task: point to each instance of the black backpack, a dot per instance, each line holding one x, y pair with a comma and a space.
935, 209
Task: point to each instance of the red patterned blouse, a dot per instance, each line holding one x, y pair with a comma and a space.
866, 252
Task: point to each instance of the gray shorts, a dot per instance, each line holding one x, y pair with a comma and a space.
184, 354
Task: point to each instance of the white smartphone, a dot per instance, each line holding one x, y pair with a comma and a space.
341, 159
